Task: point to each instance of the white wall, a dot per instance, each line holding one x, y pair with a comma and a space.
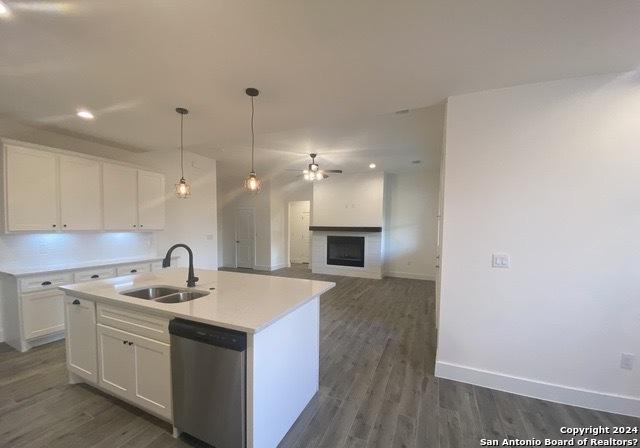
410, 230
354, 200
548, 173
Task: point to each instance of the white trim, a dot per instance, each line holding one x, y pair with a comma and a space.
601, 401
1, 335
411, 275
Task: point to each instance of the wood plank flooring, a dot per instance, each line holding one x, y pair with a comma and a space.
377, 387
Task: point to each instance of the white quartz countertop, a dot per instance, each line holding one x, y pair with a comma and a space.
245, 302
19, 270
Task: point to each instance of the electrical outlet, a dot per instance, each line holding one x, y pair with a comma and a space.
626, 361
500, 261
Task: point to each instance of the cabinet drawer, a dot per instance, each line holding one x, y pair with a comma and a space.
45, 281
93, 274
42, 313
134, 322
137, 268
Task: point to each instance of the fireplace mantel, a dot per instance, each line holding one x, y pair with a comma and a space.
345, 229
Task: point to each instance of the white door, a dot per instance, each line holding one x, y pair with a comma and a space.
153, 375
299, 234
42, 313
116, 361
80, 202
150, 200
120, 197
32, 189
245, 238
82, 352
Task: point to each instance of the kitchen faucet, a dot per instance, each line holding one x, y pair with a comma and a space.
191, 279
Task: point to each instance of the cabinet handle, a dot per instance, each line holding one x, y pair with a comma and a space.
134, 225
76, 302
95, 276
47, 283
141, 225
124, 342
53, 225
133, 271
64, 225
130, 343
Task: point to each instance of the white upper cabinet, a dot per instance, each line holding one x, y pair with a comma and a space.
31, 189
150, 200
54, 190
120, 197
80, 202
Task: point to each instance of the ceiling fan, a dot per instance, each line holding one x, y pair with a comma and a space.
313, 171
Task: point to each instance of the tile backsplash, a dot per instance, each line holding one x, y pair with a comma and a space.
43, 249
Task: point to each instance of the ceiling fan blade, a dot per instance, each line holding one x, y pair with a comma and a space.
333, 171
293, 169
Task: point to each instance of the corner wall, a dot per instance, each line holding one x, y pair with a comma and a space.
547, 173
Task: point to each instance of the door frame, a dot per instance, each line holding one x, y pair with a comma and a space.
289, 231
235, 235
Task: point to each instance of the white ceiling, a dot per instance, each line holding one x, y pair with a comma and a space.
315, 62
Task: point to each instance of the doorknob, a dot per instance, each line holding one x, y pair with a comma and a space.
237, 241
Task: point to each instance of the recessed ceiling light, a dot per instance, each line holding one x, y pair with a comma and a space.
85, 114
4, 10
372, 165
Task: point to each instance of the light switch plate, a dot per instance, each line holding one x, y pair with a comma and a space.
626, 361
500, 261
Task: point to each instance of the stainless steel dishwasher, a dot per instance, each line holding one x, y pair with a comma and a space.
208, 367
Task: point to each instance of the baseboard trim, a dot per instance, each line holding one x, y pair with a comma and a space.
264, 267
275, 267
585, 398
411, 275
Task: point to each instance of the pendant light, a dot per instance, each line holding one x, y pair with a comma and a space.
183, 186
251, 183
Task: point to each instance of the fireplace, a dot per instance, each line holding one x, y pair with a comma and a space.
345, 250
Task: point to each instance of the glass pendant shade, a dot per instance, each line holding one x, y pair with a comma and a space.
183, 188
252, 184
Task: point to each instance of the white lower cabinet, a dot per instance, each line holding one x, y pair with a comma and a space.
82, 357
42, 313
135, 368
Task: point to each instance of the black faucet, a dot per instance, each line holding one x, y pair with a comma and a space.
191, 279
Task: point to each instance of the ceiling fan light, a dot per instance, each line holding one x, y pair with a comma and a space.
307, 176
313, 167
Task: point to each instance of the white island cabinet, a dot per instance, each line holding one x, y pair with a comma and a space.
122, 344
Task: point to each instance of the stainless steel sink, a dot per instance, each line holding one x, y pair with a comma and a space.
165, 294
151, 292
182, 296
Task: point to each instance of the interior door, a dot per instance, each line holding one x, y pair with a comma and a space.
305, 237
120, 196
80, 204
150, 200
245, 238
299, 234
32, 190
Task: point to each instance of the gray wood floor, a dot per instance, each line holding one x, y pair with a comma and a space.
377, 387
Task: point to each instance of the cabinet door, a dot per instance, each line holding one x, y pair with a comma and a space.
153, 376
150, 200
80, 204
42, 313
116, 361
120, 197
32, 196
82, 352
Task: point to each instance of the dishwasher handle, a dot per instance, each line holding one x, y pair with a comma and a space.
209, 334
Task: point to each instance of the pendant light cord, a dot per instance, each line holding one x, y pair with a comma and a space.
181, 148
252, 133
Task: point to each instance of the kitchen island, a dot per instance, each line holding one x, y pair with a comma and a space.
121, 344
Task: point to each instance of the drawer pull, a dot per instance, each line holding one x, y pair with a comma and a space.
130, 343
95, 276
47, 283
124, 342
76, 302
133, 271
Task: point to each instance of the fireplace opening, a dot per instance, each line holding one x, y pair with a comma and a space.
345, 250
